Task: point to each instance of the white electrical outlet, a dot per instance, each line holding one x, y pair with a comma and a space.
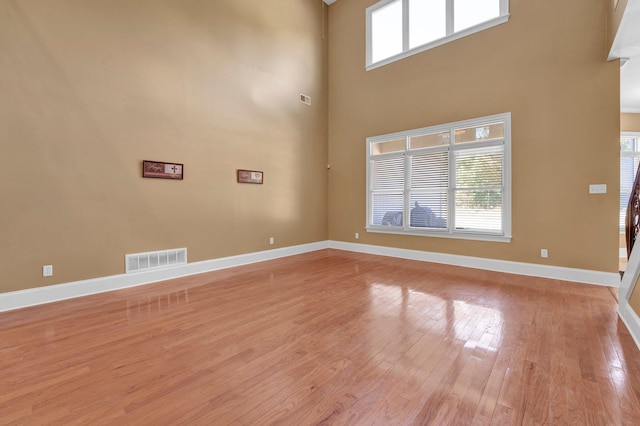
47, 270
544, 253
600, 188
357, 236
271, 240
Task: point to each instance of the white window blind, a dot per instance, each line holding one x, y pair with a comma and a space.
451, 180
388, 184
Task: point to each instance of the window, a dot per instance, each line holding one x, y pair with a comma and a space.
452, 180
400, 28
629, 160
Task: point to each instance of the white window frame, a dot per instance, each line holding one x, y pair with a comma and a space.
452, 148
451, 35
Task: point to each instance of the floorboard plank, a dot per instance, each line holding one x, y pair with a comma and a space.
328, 337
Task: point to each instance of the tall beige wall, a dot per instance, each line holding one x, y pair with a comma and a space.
548, 67
89, 89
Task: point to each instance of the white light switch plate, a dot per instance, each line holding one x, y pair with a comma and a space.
600, 188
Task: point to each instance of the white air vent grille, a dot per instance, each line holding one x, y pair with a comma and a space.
155, 260
305, 99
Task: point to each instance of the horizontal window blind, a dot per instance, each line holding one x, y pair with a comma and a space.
430, 170
449, 180
388, 174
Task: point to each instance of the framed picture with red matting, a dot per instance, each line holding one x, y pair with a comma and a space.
250, 176
162, 170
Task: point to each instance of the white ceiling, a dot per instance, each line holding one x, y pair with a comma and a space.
627, 45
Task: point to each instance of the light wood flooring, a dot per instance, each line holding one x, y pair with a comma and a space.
328, 337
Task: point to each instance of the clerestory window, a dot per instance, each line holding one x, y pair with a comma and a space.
400, 28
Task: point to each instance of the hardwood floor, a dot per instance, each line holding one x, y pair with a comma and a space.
328, 337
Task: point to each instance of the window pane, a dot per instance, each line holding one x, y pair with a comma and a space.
467, 13
387, 209
386, 31
388, 174
427, 21
628, 168
429, 210
388, 146
481, 168
479, 210
624, 201
626, 144
430, 170
439, 188
485, 132
425, 141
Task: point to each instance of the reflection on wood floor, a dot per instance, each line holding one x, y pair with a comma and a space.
327, 337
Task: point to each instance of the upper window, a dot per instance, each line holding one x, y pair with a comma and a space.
452, 180
399, 28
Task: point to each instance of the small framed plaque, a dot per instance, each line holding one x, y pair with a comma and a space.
250, 176
162, 170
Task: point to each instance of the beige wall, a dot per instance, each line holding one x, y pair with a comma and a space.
89, 89
629, 122
547, 66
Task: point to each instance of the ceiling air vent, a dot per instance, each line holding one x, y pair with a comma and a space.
139, 262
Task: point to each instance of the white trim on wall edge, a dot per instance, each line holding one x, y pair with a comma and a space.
54, 293
629, 280
609, 279
630, 319
57, 292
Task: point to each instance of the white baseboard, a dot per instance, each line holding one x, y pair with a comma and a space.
630, 319
609, 279
41, 295
54, 293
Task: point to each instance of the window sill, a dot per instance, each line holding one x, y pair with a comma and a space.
440, 234
444, 40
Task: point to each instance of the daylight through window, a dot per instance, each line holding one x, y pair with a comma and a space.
452, 180
399, 28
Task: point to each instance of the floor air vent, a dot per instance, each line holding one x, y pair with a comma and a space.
155, 260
